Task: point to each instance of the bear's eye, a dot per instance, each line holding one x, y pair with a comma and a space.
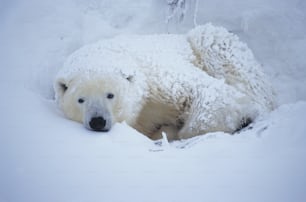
110, 96
81, 100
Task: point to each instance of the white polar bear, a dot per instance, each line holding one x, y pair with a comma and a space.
183, 85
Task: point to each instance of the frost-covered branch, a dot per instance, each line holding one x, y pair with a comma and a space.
178, 10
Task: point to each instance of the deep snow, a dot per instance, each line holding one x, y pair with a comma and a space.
45, 157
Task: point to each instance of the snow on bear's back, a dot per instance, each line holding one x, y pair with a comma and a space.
222, 55
130, 52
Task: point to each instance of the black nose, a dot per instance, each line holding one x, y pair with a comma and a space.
97, 123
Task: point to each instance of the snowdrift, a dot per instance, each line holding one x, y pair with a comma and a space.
45, 157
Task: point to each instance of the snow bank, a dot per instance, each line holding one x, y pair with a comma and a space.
45, 157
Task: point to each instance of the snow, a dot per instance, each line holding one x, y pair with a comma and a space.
45, 157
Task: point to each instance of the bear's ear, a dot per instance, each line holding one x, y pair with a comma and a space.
127, 76
130, 78
61, 87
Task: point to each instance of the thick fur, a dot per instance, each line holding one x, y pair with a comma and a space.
183, 85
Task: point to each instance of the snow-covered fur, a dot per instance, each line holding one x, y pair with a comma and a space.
223, 56
183, 85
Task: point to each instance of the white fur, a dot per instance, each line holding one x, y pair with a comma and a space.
186, 86
93, 89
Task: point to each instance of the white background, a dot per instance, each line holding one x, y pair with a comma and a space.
45, 157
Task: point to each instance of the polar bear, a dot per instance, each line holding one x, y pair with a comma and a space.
183, 85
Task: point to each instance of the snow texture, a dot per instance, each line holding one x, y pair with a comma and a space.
45, 157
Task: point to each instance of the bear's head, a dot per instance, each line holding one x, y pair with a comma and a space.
99, 100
